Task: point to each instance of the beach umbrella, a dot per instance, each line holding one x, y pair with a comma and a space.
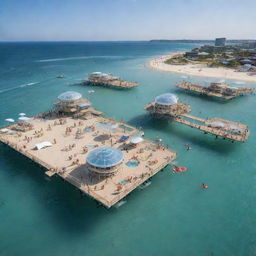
10, 120
22, 114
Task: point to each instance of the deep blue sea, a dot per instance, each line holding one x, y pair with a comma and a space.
172, 216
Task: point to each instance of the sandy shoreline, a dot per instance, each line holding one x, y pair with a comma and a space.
197, 69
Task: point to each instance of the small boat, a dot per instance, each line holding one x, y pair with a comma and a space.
179, 169
91, 91
60, 76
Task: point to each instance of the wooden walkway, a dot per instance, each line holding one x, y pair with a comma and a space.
219, 127
118, 84
215, 131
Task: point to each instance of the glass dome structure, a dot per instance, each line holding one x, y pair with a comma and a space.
105, 157
69, 96
166, 99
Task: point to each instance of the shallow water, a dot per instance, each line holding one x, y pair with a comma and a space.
173, 216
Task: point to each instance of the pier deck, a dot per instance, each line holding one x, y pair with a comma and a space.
56, 159
220, 131
207, 90
223, 128
118, 83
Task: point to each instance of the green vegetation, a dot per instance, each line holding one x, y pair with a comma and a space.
176, 60
234, 63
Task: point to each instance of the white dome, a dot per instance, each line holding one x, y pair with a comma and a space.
69, 96
167, 99
105, 157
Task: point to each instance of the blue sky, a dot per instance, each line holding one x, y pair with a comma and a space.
126, 19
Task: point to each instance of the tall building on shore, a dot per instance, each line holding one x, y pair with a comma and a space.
220, 41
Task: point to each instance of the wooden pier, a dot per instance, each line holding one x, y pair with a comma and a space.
108, 80
218, 90
73, 138
178, 112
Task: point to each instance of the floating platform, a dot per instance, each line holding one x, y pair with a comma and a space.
70, 140
167, 106
108, 80
218, 90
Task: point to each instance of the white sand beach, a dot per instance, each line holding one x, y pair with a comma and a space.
198, 69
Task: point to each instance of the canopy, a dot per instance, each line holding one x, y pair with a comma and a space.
9, 120
216, 123
69, 96
107, 126
105, 157
4, 130
24, 119
43, 144
167, 99
84, 105
136, 139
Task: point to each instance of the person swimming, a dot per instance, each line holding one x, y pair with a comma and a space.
187, 146
203, 186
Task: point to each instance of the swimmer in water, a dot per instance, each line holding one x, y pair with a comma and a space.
203, 186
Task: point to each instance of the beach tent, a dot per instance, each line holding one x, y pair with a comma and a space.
43, 144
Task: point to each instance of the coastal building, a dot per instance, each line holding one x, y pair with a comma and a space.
108, 80
103, 158
191, 55
216, 89
220, 41
166, 106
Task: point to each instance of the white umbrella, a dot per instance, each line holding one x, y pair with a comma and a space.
22, 114
136, 139
10, 120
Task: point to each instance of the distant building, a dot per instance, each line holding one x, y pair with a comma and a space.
220, 41
191, 55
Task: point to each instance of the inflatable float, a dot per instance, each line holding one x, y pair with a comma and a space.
179, 169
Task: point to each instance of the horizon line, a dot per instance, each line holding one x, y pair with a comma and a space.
148, 40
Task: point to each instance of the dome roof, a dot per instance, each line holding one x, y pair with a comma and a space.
69, 96
105, 157
166, 99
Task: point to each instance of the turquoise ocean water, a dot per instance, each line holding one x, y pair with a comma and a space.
172, 216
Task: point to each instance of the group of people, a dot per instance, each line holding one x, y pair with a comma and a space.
39, 133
